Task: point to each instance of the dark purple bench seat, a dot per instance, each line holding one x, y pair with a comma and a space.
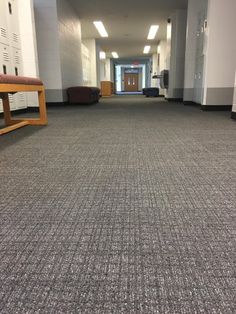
83, 95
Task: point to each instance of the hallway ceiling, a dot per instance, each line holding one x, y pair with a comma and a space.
127, 22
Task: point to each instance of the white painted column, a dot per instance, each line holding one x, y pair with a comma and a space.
177, 55
190, 53
46, 22
69, 30
58, 33
220, 62
195, 51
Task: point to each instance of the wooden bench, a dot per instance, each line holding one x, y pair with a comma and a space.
10, 84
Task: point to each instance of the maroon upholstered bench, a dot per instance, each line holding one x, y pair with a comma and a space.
83, 95
10, 84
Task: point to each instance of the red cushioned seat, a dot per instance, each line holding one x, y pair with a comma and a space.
13, 79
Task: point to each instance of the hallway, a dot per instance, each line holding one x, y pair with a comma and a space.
125, 206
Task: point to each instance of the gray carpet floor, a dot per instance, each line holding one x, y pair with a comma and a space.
127, 206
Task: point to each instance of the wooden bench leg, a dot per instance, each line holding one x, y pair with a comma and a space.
10, 123
6, 109
42, 120
42, 107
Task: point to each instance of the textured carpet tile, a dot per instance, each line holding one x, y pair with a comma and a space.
127, 206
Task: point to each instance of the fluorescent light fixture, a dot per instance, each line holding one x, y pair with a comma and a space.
101, 29
152, 32
146, 49
115, 55
102, 55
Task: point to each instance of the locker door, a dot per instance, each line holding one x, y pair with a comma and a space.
16, 60
6, 68
13, 23
5, 59
4, 33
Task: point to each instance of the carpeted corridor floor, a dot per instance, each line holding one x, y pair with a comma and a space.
127, 206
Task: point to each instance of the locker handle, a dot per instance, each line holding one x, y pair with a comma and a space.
10, 8
4, 69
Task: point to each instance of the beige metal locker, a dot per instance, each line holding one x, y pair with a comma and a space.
5, 59
4, 32
10, 48
13, 24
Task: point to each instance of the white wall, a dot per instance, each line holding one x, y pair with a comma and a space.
86, 64
154, 82
163, 59
163, 55
98, 67
168, 44
91, 46
105, 70
69, 29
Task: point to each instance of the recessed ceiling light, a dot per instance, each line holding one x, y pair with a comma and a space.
152, 32
101, 29
115, 55
146, 49
102, 55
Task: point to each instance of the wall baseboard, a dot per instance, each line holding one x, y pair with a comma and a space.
216, 108
191, 103
174, 99
54, 104
15, 112
233, 115
32, 109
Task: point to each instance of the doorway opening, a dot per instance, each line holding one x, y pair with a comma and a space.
130, 79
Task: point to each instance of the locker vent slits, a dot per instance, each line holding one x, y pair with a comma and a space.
17, 59
11, 99
15, 38
6, 56
3, 32
22, 97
